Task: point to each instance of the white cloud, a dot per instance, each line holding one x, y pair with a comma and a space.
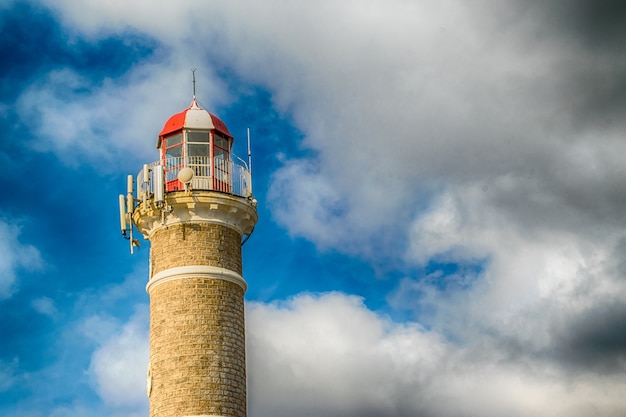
311, 203
118, 119
15, 256
118, 366
330, 355
8, 374
96, 18
45, 306
531, 291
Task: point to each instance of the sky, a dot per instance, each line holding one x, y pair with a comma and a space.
441, 187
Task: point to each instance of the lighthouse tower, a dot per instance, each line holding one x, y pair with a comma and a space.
195, 206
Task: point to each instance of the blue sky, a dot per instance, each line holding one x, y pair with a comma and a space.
441, 193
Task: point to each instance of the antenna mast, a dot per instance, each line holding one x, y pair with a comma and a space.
193, 77
249, 154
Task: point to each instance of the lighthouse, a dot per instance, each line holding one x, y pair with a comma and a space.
195, 207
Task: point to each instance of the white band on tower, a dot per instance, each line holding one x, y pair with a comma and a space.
207, 415
196, 271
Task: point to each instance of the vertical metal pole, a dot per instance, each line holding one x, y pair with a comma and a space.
193, 76
249, 162
249, 154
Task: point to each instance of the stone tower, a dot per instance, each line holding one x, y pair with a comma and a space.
195, 206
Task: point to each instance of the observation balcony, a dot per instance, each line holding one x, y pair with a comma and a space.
220, 174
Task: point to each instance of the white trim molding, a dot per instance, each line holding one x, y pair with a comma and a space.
196, 271
207, 415
211, 207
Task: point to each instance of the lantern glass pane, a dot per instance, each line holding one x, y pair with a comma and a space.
202, 137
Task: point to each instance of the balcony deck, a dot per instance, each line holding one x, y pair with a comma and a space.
229, 176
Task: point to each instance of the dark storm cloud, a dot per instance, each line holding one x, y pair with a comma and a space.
592, 341
594, 71
595, 340
598, 24
587, 57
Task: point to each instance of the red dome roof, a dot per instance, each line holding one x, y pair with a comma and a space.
194, 117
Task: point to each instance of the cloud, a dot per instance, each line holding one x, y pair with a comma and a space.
8, 374
118, 366
15, 256
395, 101
487, 137
398, 101
96, 348
118, 119
594, 340
537, 294
45, 306
96, 19
328, 354
311, 205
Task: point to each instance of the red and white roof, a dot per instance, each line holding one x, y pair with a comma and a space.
193, 117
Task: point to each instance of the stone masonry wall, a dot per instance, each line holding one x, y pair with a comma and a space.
195, 244
197, 334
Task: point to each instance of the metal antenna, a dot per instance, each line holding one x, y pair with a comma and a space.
249, 154
193, 75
